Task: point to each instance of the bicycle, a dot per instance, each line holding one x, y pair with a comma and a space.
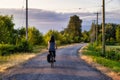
52, 60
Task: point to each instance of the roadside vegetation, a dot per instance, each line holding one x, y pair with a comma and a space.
110, 59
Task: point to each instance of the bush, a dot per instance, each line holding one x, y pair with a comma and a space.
111, 53
24, 46
110, 43
6, 49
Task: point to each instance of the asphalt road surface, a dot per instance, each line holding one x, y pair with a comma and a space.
68, 66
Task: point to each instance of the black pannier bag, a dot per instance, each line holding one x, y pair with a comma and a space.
48, 58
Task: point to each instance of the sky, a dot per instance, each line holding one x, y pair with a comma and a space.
61, 5
54, 14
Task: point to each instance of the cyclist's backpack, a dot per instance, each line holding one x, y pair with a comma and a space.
48, 58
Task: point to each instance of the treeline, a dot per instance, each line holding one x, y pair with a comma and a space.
112, 37
112, 33
14, 40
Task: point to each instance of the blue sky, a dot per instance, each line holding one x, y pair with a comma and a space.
54, 14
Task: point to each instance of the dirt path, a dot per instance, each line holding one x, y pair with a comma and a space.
68, 67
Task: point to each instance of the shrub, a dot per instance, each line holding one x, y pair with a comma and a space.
110, 59
6, 49
111, 53
24, 46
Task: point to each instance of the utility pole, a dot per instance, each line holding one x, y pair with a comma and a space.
103, 27
26, 19
93, 31
97, 27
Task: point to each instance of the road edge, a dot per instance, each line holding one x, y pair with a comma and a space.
40, 53
99, 67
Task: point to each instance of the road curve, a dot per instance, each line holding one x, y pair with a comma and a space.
68, 66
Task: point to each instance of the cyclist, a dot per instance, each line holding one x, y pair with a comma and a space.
52, 46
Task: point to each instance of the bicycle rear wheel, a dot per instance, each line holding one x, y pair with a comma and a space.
52, 60
52, 64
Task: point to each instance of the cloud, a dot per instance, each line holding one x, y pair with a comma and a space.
45, 16
45, 20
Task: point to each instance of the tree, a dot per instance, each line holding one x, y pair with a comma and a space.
74, 28
110, 30
58, 37
85, 36
22, 32
16, 37
34, 36
118, 33
19, 35
6, 29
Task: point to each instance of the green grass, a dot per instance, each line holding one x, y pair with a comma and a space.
109, 46
95, 52
114, 65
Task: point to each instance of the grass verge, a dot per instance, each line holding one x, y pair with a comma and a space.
109, 67
18, 58
114, 65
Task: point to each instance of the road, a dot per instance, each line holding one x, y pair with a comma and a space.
68, 66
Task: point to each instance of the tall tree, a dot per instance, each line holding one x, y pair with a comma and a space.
58, 37
34, 36
74, 28
110, 30
6, 28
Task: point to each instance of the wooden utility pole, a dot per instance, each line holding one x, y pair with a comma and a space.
93, 28
103, 27
97, 28
26, 19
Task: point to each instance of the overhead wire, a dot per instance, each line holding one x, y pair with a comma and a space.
22, 14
